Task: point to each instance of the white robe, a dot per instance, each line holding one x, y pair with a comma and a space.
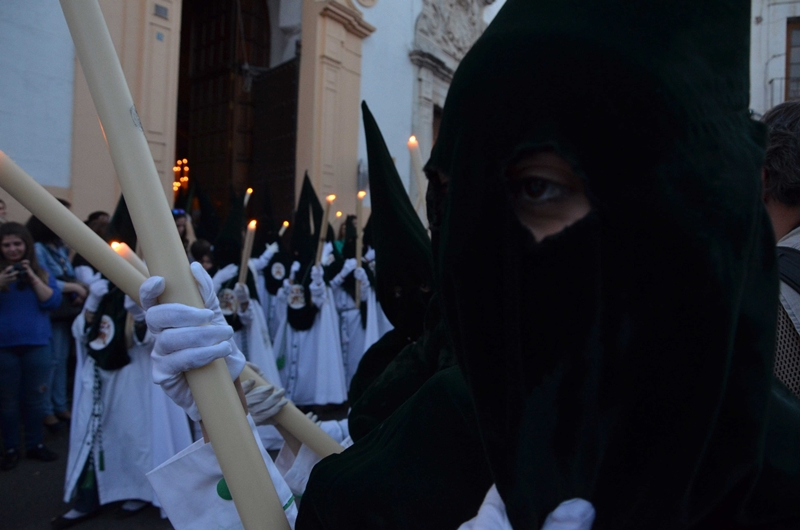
141, 426
312, 372
253, 340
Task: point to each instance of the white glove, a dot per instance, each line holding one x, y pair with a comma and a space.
86, 275
317, 287
313, 417
294, 269
361, 275
224, 274
134, 309
242, 293
261, 262
97, 290
327, 254
263, 402
369, 256
187, 338
348, 267
574, 514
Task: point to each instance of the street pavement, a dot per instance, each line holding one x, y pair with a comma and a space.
30, 496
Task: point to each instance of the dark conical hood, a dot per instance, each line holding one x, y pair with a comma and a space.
209, 225
228, 244
120, 227
626, 359
309, 210
403, 260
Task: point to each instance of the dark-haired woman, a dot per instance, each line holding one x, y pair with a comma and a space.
53, 257
27, 294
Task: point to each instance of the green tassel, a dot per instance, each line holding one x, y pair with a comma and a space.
281, 362
88, 480
102, 465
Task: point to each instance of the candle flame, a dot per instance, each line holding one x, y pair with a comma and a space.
185, 161
338, 214
249, 191
116, 246
330, 198
252, 225
186, 168
286, 224
180, 162
412, 142
362, 194
176, 168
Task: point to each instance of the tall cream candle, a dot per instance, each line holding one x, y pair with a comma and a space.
247, 195
72, 230
283, 228
323, 229
130, 256
236, 449
416, 164
294, 421
359, 241
247, 249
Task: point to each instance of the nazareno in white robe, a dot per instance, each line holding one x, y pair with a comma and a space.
356, 340
141, 426
312, 371
253, 340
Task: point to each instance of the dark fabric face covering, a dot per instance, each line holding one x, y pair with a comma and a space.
627, 359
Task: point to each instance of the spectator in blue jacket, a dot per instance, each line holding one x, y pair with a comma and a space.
27, 294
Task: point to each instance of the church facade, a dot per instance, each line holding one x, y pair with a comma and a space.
251, 93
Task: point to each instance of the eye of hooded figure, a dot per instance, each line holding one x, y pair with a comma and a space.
546, 194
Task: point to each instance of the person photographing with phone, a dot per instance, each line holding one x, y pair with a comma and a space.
27, 295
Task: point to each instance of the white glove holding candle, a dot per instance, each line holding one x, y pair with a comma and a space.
242, 293
261, 262
348, 267
361, 275
293, 270
263, 402
97, 290
133, 308
224, 274
369, 256
317, 287
187, 338
327, 254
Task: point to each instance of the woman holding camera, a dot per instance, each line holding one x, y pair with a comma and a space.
27, 294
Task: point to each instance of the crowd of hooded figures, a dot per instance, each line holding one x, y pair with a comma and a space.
298, 330
584, 337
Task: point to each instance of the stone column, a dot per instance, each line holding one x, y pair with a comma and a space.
328, 114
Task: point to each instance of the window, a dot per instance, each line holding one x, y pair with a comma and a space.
793, 59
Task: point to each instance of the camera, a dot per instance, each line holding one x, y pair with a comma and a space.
22, 276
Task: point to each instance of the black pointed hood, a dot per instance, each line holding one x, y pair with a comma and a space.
120, 227
403, 260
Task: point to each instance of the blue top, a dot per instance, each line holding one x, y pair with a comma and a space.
24, 320
55, 261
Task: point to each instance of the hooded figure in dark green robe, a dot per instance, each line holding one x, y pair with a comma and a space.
627, 359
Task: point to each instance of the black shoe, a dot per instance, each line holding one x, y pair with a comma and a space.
10, 460
62, 522
40, 452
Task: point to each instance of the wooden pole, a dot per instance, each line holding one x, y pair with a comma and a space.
72, 230
236, 449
